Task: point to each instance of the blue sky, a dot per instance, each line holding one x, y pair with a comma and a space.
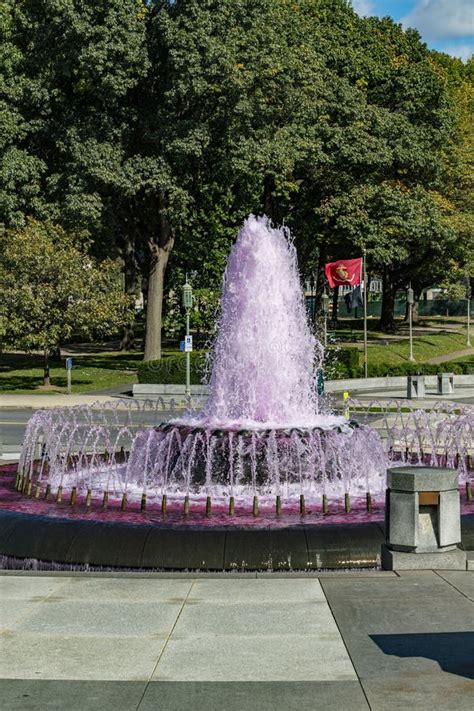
446, 25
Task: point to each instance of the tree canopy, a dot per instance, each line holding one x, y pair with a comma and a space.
54, 289
157, 126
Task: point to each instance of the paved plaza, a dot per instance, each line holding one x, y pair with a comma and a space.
375, 640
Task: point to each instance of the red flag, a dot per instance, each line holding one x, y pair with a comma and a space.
344, 271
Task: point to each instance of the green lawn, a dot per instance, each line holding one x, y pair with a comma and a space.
97, 371
21, 373
424, 348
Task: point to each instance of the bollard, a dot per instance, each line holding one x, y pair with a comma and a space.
25, 485
37, 491
164, 504
88, 499
29, 487
208, 506
17, 480
468, 491
47, 493
59, 495
255, 506
423, 520
105, 500
278, 505
368, 499
347, 503
325, 504
231, 506
302, 505
186, 505
143, 504
123, 506
73, 499
345, 397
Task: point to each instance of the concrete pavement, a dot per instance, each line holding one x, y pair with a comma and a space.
347, 641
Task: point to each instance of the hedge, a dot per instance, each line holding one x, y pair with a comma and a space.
172, 369
341, 363
379, 370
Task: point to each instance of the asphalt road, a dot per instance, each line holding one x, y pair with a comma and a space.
12, 429
13, 425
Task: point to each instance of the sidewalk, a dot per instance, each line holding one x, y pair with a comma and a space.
37, 402
451, 356
350, 641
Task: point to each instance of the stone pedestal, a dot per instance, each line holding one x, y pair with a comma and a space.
423, 521
445, 383
415, 386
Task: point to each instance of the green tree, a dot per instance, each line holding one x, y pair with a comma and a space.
52, 289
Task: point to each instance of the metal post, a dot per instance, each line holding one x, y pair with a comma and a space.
366, 359
468, 299
188, 359
325, 305
468, 342
410, 301
187, 303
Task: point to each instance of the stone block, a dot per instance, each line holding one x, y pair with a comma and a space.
422, 479
449, 518
445, 383
403, 527
444, 560
415, 386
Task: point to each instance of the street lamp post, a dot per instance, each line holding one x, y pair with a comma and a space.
468, 299
410, 302
187, 303
325, 304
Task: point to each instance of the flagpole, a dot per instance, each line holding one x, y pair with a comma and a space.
364, 262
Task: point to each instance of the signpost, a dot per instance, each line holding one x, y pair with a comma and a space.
69, 372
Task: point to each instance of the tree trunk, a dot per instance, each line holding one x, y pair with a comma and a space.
160, 250
269, 207
387, 318
154, 308
46, 378
130, 273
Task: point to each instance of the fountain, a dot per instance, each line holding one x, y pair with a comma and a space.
262, 434
262, 444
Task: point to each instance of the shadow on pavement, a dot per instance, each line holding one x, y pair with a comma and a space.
454, 651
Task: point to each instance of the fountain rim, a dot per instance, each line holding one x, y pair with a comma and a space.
223, 431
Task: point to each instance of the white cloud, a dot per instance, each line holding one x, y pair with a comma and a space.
363, 7
436, 19
463, 51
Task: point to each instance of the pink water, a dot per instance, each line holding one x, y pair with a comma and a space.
264, 356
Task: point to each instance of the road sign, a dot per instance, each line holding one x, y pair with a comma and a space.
188, 344
181, 346
68, 371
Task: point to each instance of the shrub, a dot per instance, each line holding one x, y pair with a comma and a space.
172, 369
341, 363
340, 370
